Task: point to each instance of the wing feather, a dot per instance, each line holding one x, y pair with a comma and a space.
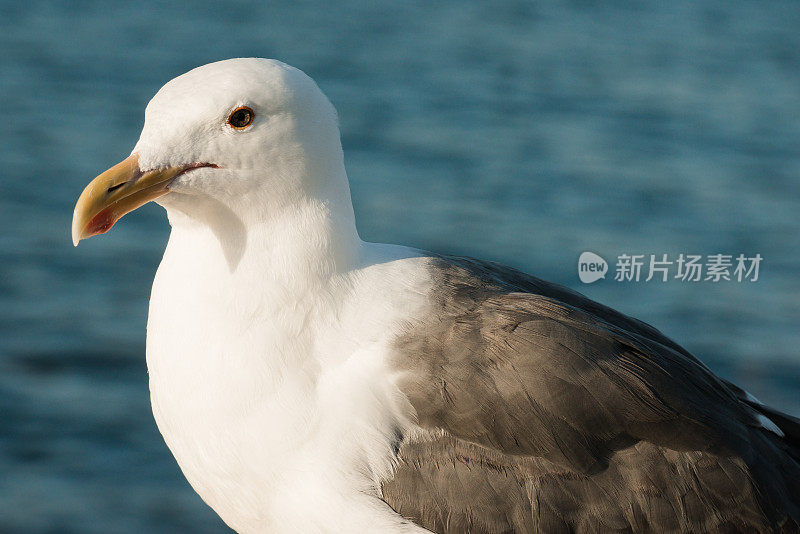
550, 412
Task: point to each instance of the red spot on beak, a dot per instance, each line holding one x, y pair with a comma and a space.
101, 223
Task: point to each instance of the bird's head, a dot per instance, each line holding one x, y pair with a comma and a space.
251, 135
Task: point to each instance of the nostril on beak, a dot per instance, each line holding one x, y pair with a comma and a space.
115, 187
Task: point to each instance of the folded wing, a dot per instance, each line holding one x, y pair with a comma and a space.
546, 411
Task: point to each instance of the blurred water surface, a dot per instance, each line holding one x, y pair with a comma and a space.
518, 132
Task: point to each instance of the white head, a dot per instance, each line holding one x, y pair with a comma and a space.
250, 137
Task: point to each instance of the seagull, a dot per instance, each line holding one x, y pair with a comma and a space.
308, 381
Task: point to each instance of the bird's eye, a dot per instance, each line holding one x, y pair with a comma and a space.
241, 118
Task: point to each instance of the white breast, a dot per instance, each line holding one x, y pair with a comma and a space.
273, 397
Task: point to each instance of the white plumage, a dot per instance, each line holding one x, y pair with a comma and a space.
269, 316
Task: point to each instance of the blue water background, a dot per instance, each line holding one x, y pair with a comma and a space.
512, 131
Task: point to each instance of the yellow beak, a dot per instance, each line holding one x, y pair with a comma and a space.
119, 190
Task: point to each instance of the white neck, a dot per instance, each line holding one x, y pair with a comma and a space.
244, 333
214, 261
310, 226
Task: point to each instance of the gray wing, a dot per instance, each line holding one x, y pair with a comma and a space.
549, 412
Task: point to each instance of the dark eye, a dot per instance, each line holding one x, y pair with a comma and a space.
241, 117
